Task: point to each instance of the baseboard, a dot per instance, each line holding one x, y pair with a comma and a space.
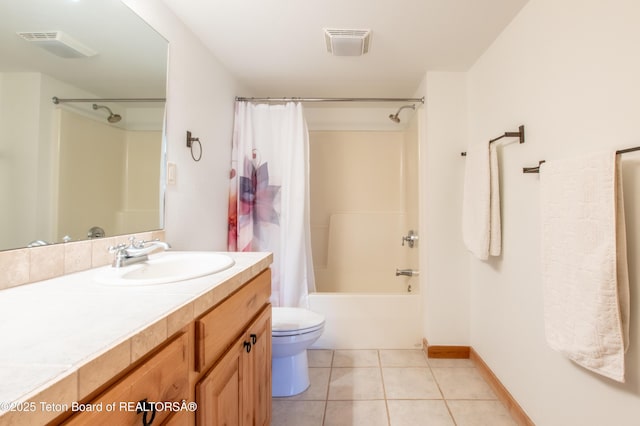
503, 394
455, 352
461, 352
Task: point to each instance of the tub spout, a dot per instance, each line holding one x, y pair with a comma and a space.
406, 272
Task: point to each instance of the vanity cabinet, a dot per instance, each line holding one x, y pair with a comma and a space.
233, 346
221, 361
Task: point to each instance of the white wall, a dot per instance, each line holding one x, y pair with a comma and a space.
19, 146
444, 262
200, 98
569, 71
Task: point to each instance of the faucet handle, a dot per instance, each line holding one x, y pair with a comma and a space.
411, 238
116, 249
135, 244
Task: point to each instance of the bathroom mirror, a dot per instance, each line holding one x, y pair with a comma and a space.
70, 171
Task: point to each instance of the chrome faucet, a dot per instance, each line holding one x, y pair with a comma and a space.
38, 243
135, 252
406, 272
410, 239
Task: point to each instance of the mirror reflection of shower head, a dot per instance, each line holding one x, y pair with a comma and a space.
113, 118
395, 118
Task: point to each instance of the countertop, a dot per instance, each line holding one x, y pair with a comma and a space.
62, 338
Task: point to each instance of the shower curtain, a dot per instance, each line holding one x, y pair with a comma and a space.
269, 195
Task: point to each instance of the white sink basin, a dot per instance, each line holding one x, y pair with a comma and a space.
166, 268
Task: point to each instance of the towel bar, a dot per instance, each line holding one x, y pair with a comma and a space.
537, 168
519, 134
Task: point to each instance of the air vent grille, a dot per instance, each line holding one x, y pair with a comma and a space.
347, 42
58, 43
39, 36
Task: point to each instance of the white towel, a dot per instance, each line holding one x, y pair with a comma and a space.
481, 203
584, 262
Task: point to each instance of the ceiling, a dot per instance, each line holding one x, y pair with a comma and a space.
276, 47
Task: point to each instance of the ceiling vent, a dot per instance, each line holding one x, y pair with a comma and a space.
342, 42
59, 43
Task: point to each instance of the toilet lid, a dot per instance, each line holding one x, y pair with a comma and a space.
294, 320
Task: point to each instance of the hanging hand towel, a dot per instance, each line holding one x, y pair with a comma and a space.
481, 202
584, 262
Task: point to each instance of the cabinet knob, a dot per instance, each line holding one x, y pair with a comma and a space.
247, 346
254, 338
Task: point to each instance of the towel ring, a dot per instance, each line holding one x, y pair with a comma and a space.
190, 144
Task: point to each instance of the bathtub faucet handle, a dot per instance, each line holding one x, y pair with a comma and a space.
411, 238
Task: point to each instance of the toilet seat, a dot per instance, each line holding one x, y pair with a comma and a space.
294, 321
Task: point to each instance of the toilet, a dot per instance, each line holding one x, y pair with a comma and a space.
293, 331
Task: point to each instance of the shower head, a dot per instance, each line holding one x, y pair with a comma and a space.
395, 118
113, 118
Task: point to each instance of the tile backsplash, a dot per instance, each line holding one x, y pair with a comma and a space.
27, 265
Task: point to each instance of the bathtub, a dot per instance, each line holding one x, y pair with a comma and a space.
368, 321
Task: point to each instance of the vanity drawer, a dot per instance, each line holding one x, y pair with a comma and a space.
216, 330
163, 378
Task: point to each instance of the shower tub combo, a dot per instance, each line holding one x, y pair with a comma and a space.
364, 192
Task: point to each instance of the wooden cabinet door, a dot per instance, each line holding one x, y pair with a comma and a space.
257, 371
220, 393
237, 390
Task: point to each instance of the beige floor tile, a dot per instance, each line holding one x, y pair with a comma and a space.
410, 383
480, 413
419, 412
462, 383
297, 413
444, 362
390, 387
355, 383
402, 358
317, 390
348, 413
356, 358
320, 357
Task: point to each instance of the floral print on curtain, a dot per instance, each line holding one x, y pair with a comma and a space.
255, 205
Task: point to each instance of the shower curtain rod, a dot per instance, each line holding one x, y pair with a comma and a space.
57, 100
269, 100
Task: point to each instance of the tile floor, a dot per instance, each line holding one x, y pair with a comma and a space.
390, 387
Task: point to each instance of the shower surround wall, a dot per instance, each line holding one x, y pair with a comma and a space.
363, 200
117, 169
